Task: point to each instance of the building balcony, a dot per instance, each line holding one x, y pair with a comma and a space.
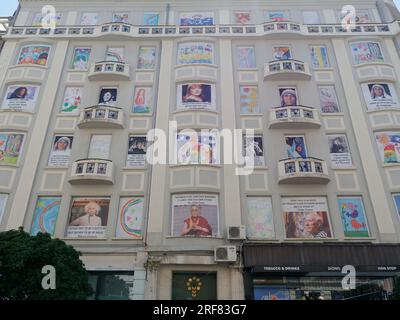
101, 116
109, 70
286, 70
303, 170
92, 171
294, 117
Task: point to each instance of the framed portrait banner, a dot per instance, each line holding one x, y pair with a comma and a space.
388, 146
253, 150
108, 96
143, 100
339, 150
242, 17
21, 97
296, 147
306, 217
328, 100
195, 215
288, 96
137, 146
380, 95
319, 57
60, 150
196, 96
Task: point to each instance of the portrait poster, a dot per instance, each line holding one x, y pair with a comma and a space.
353, 217
242, 17
44, 21
108, 96
72, 100
80, 59
306, 217
396, 199
260, 221
10, 147
388, 146
89, 19
277, 16
143, 100
45, 215
296, 147
262, 292
196, 19
146, 58
115, 54
366, 52
122, 17
21, 97
246, 57
319, 57
253, 150
288, 96
249, 100
88, 217
151, 18
130, 218
99, 146
339, 151
195, 215
197, 148
380, 95
195, 52
196, 96
60, 150
282, 53
34, 54
137, 147
3, 203
328, 100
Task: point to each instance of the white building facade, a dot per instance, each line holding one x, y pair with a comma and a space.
78, 99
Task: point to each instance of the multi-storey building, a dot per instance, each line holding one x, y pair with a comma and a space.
322, 97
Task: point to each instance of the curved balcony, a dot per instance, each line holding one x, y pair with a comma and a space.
286, 70
92, 171
109, 70
294, 117
303, 170
101, 116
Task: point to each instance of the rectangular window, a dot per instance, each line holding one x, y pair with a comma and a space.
246, 57
311, 17
151, 18
11, 145
21, 97
146, 58
99, 146
137, 146
60, 150
130, 218
366, 52
80, 59
296, 147
196, 96
195, 52
122, 17
112, 285
195, 215
89, 19
319, 57
72, 100
328, 99
249, 100
88, 217
197, 148
388, 146
115, 54
196, 19
253, 150
45, 215
260, 221
3, 203
34, 54
353, 217
306, 217
143, 100
339, 150
380, 95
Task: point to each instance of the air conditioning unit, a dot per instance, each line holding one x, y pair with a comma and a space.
225, 254
236, 233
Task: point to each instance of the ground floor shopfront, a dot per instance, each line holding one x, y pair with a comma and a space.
314, 271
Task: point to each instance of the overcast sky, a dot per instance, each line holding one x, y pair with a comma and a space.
8, 7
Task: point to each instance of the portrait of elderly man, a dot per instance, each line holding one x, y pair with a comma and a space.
196, 225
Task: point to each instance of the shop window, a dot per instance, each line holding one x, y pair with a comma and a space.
111, 285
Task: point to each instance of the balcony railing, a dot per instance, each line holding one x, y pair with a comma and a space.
303, 170
101, 116
294, 117
109, 70
92, 171
286, 70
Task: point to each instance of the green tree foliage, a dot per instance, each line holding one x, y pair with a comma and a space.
22, 258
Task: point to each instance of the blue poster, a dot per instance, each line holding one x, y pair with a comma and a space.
353, 217
271, 293
45, 216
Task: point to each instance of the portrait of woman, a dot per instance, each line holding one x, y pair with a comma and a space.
378, 92
62, 144
194, 93
108, 97
288, 97
19, 93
